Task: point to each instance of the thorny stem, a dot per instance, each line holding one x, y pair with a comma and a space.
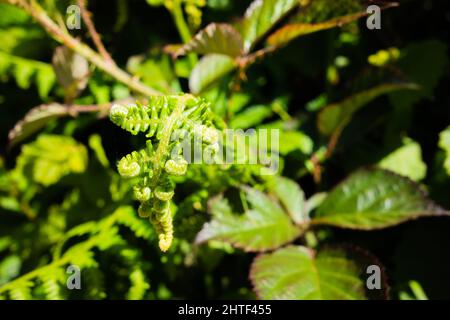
39, 14
87, 17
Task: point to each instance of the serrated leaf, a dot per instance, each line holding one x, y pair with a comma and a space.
337, 115
292, 198
406, 161
299, 273
35, 120
218, 38
295, 30
208, 70
261, 16
320, 15
263, 227
373, 199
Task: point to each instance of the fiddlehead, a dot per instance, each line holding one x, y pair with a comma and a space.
166, 120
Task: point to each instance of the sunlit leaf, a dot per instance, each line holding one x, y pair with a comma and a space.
27, 71
406, 161
291, 197
261, 16
444, 144
208, 70
320, 15
251, 117
300, 273
294, 30
295, 140
50, 158
263, 227
218, 38
374, 199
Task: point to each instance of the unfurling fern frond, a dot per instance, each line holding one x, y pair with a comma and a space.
166, 120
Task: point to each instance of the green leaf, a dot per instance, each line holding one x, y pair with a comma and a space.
35, 120
294, 30
320, 15
27, 71
373, 199
250, 117
218, 38
261, 16
406, 161
337, 115
444, 143
208, 70
292, 198
50, 158
295, 140
299, 273
263, 227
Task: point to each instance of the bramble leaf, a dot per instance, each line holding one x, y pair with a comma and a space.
320, 15
263, 227
208, 70
220, 38
373, 199
299, 273
291, 197
261, 16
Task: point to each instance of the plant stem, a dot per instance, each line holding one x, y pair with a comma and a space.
182, 27
87, 17
39, 14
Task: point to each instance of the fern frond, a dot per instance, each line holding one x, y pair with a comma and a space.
21, 291
165, 120
139, 285
26, 71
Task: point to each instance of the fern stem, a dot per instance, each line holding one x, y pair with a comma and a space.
39, 14
163, 145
